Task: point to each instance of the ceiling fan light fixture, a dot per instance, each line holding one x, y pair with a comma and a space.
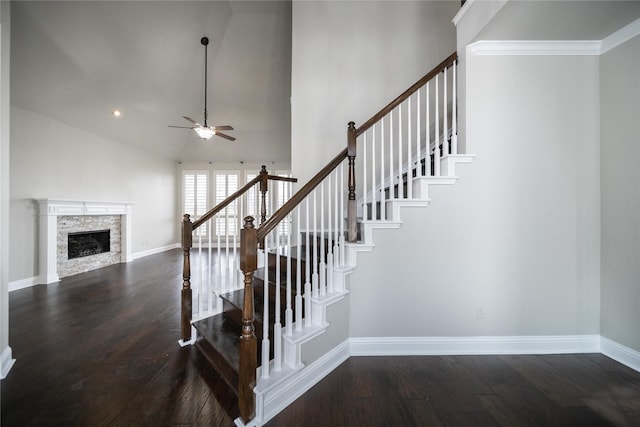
204, 133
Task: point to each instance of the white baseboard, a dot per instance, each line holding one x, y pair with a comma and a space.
6, 362
620, 353
405, 346
23, 283
154, 251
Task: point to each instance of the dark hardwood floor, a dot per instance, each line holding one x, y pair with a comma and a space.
100, 349
549, 390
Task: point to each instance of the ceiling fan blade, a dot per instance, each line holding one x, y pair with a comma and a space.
223, 127
192, 121
180, 127
222, 135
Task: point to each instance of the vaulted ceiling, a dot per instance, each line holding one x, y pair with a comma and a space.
77, 61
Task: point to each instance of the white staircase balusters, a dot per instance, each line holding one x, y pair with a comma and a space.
436, 155
315, 278
363, 156
265, 309
277, 327
409, 156
211, 294
323, 263
239, 221
288, 319
341, 243
454, 113
298, 303
374, 205
325, 268
409, 139
391, 167
428, 132
337, 213
383, 210
329, 236
307, 267
201, 278
400, 164
219, 254
226, 243
445, 142
418, 135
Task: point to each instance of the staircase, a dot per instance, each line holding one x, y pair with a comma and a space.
217, 336
296, 263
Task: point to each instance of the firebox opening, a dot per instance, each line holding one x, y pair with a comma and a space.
87, 243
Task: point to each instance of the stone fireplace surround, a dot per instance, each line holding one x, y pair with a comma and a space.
52, 210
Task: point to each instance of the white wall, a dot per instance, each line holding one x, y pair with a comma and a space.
52, 160
519, 234
620, 169
349, 59
469, 21
5, 32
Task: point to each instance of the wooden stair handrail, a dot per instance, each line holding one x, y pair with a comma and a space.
348, 152
250, 237
407, 93
282, 178
226, 202
295, 200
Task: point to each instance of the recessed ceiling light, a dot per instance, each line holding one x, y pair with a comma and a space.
116, 113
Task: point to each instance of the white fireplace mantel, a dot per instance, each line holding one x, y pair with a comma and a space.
50, 210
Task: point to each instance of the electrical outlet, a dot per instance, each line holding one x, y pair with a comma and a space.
480, 312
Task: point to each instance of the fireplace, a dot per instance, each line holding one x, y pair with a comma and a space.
89, 243
62, 221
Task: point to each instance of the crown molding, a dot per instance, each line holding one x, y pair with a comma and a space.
556, 47
622, 35
463, 10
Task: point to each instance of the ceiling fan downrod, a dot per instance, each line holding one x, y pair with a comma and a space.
204, 42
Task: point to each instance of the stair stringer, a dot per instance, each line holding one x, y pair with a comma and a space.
275, 393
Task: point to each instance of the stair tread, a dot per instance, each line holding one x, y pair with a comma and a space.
223, 336
236, 299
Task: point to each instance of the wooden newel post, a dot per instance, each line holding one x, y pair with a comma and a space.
248, 340
264, 186
187, 232
352, 226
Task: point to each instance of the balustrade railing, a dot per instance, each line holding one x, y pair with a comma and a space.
302, 246
406, 139
315, 239
215, 238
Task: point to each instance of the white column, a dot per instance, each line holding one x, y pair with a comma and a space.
48, 267
126, 239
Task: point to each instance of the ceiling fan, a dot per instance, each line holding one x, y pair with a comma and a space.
204, 131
